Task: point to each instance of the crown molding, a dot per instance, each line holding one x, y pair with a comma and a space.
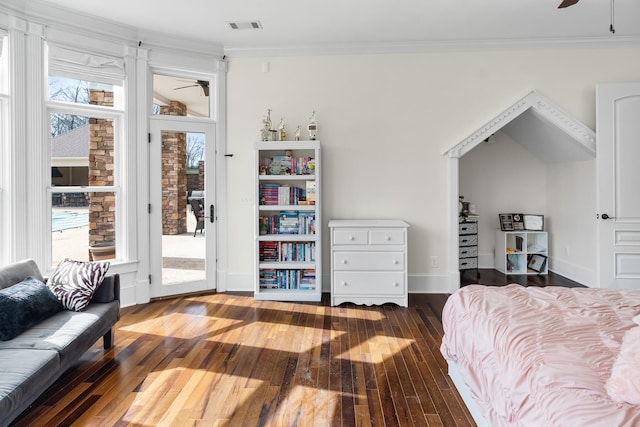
541, 105
441, 46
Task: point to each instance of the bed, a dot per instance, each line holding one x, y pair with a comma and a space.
528, 356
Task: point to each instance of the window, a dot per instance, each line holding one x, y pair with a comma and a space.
85, 119
4, 69
193, 93
4, 128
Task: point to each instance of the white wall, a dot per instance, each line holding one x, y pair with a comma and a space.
571, 207
384, 122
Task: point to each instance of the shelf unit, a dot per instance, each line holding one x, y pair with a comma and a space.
515, 249
468, 246
287, 225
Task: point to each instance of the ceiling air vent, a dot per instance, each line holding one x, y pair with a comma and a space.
249, 25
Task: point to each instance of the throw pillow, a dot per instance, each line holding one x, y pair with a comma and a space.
624, 383
75, 282
23, 305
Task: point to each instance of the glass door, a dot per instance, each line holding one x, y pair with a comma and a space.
182, 206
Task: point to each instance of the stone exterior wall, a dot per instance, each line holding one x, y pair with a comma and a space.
201, 175
174, 174
195, 181
102, 206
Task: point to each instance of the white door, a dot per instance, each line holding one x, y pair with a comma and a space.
183, 244
618, 175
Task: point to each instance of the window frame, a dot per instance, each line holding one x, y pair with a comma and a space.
118, 116
5, 100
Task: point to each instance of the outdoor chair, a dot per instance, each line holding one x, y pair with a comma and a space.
198, 212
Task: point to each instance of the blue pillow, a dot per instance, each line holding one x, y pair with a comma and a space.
23, 305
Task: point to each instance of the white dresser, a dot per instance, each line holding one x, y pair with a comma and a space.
369, 261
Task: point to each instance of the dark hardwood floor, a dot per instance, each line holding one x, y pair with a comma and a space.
493, 277
228, 360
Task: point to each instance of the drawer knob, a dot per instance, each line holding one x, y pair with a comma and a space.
395, 261
396, 284
344, 261
343, 283
351, 238
387, 238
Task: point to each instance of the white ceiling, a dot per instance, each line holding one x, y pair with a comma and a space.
289, 24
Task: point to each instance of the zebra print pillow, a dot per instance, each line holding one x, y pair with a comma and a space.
75, 282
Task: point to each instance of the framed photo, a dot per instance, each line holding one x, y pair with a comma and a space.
533, 222
506, 222
537, 262
518, 222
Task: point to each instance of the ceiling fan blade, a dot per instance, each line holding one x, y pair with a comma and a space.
567, 3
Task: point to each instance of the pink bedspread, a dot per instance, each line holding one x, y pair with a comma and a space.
540, 356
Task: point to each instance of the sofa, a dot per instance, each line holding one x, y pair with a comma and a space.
35, 358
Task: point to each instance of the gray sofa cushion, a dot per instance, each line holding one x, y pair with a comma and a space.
18, 271
24, 305
67, 332
25, 374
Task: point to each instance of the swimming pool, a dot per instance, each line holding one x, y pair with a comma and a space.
64, 220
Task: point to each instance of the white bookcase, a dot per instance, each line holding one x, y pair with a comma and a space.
288, 223
521, 252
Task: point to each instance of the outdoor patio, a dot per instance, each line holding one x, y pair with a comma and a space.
183, 254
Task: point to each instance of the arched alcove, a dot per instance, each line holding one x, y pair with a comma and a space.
534, 122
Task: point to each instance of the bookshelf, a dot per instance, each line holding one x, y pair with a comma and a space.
288, 232
521, 252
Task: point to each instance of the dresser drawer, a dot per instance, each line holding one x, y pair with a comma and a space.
368, 283
351, 237
368, 260
468, 240
467, 251
466, 263
468, 228
387, 237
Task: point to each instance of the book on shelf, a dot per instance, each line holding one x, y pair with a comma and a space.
276, 194
310, 193
287, 165
304, 279
288, 222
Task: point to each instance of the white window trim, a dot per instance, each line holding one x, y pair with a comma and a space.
101, 112
4, 150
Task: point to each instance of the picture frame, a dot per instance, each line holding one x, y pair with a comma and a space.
506, 221
518, 222
533, 222
537, 262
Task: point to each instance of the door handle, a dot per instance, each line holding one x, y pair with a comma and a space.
211, 213
605, 216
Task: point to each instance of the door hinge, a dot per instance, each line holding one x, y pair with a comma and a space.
149, 137
149, 208
149, 279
